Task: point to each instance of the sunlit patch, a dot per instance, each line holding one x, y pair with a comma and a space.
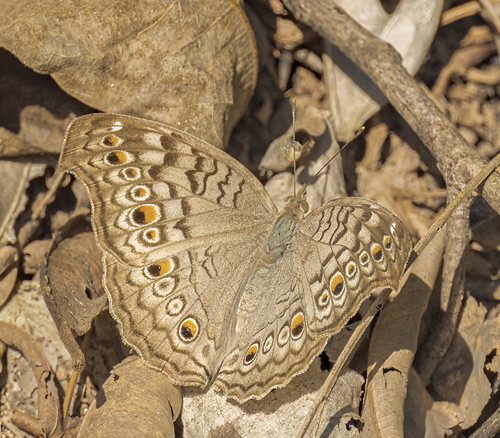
116, 158
160, 269
145, 214
387, 242
188, 330
164, 287
351, 269
175, 306
151, 235
283, 335
323, 299
140, 193
337, 284
364, 258
251, 354
297, 326
268, 343
377, 252
131, 173
111, 141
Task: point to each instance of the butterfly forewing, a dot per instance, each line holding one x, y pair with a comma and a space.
156, 191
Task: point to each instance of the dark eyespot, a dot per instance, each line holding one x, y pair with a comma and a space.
160, 268
115, 158
251, 354
363, 258
297, 327
377, 253
111, 141
337, 284
144, 215
387, 242
188, 330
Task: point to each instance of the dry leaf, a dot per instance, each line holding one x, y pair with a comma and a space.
189, 64
136, 401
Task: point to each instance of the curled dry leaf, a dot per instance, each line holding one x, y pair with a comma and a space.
143, 58
136, 401
15, 179
71, 283
48, 398
9, 266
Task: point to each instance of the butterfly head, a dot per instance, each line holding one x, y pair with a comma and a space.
298, 201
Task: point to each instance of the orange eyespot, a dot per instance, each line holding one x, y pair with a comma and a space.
188, 330
251, 354
151, 234
111, 141
144, 215
297, 325
377, 253
159, 269
337, 284
130, 173
387, 242
351, 269
140, 192
363, 258
115, 158
324, 298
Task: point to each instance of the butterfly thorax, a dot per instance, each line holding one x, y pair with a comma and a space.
267, 265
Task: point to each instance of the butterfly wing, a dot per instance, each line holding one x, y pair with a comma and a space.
341, 253
178, 221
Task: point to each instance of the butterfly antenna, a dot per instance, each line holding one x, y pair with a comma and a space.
294, 109
332, 135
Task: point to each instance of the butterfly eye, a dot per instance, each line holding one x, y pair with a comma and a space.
297, 325
387, 242
251, 354
160, 269
304, 206
188, 330
111, 141
377, 253
337, 284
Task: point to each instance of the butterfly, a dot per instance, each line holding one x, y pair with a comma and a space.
208, 281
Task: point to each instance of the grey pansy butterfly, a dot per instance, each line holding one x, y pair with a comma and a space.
207, 280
